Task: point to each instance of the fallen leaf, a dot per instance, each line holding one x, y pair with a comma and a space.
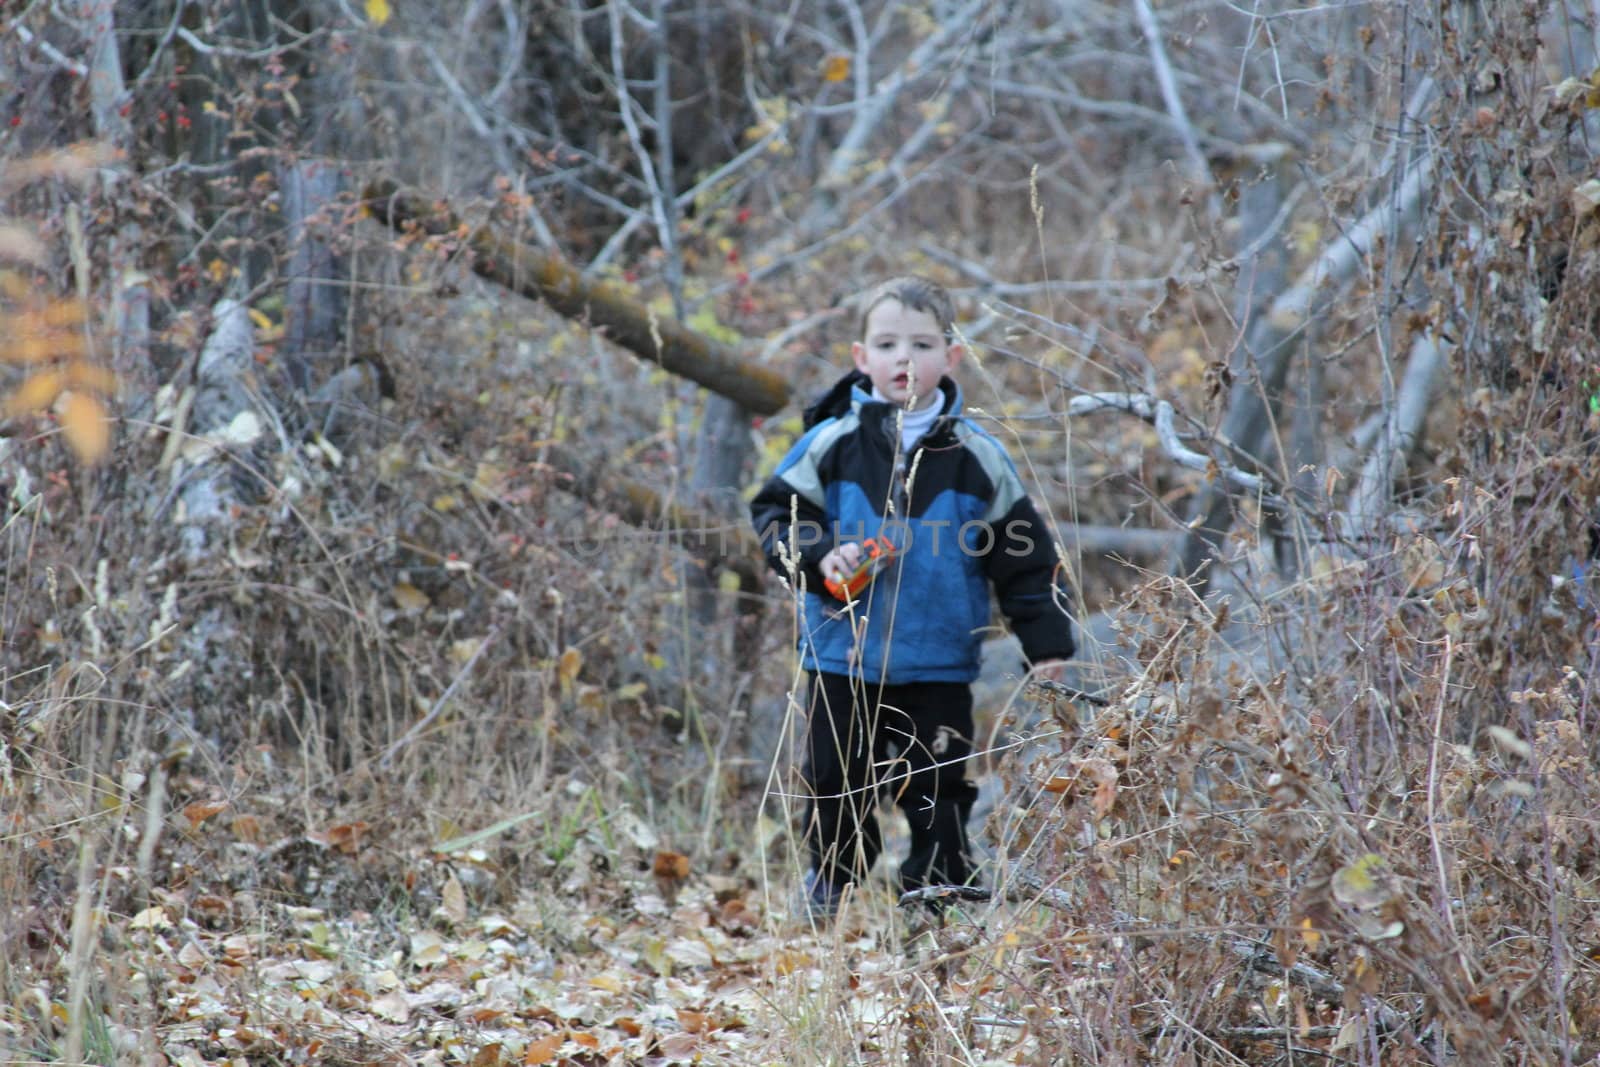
150, 919
392, 1006
243, 429
489, 1056
1586, 197
695, 1022
212, 907
544, 1049
690, 953
671, 866
346, 837
427, 949
567, 668
607, 981
200, 811
836, 68
453, 901
679, 1046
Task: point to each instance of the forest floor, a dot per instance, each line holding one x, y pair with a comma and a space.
587, 941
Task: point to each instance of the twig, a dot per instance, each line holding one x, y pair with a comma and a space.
1174, 102
660, 197
1435, 845
480, 126
1059, 689
1162, 415
50, 51
444, 698
944, 892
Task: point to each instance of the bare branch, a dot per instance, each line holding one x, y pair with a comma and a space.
1174, 102
51, 52
1162, 416
873, 109
1269, 347
480, 125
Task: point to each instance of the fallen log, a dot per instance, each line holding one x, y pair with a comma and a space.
625, 321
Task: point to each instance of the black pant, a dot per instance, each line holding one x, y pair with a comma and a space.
907, 742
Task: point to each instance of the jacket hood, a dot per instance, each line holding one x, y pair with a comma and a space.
855, 389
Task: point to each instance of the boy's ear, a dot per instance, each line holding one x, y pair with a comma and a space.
858, 352
953, 354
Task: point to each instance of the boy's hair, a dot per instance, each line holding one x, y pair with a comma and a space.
918, 294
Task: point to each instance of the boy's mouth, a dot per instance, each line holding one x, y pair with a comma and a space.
902, 380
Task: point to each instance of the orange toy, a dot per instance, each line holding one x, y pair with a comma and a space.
878, 553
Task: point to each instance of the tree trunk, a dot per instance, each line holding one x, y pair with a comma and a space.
314, 303
1402, 430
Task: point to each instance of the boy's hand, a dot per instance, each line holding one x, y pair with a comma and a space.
841, 562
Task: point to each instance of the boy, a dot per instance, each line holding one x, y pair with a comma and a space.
888, 456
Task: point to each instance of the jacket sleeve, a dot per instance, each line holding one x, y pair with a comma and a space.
790, 512
1026, 573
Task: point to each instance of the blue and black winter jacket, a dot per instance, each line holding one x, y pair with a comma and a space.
956, 511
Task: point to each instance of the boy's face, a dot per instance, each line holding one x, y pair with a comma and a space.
905, 354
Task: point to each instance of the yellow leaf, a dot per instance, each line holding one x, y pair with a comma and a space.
35, 394
836, 68
1357, 885
567, 669
260, 319
410, 599
83, 375
86, 426
378, 12
488, 481
445, 503
1309, 934
218, 271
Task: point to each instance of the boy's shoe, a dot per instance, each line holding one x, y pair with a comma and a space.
819, 898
